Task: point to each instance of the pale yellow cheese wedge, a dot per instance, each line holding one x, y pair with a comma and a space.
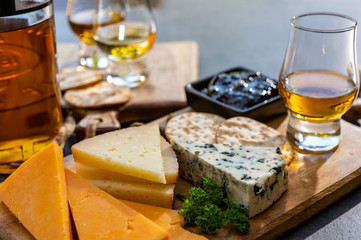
125, 187
156, 194
169, 162
101, 174
133, 151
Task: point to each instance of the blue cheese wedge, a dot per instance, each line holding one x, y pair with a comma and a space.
253, 177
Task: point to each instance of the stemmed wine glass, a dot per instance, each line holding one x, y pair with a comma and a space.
126, 42
80, 15
319, 79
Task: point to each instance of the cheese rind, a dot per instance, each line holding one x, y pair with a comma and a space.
97, 215
36, 194
133, 151
253, 177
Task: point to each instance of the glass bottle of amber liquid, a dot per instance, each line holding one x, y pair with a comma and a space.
319, 79
30, 111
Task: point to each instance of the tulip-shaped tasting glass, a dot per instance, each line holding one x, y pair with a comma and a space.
126, 42
80, 15
319, 79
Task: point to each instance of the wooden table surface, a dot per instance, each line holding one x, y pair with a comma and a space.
252, 34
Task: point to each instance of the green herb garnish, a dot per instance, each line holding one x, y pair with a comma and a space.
203, 208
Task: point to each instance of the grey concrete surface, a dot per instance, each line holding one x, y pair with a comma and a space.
252, 34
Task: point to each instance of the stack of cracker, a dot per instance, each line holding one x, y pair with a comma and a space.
211, 128
85, 88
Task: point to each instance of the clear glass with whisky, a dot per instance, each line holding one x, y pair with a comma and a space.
80, 15
319, 79
126, 42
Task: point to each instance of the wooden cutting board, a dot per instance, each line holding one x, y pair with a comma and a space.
171, 66
315, 182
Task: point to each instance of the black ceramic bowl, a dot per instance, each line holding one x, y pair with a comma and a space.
200, 101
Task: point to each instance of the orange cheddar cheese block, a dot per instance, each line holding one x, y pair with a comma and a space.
97, 215
36, 194
170, 220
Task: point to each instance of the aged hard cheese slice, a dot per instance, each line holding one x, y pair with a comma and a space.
98, 215
170, 161
126, 187
170, 220
36, 194
133, 151
170, 164
157, 194
253, 177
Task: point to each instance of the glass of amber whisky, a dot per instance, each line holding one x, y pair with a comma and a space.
319, 79
80, 15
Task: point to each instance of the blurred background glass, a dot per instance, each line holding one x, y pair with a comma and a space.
125, 42
80, 16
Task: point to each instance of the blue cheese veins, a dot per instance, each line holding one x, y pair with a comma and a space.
253, 177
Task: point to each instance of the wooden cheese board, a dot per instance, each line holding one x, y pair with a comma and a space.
315, 182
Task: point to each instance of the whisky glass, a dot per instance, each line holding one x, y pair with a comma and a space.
80, 15
126, 42
319, 79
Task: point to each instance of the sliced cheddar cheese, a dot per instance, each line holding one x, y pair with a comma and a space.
133, 151
170, 220
97, 215
36, 194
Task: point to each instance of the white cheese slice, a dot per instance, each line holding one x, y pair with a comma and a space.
253, 177
133, 151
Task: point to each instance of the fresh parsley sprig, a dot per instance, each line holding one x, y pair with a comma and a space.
202, 208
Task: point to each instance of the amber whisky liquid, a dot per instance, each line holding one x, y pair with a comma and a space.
30, 112
318, 96
82, 23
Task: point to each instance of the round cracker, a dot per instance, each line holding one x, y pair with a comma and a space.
99, 95
249, 132
74, 78
193, 126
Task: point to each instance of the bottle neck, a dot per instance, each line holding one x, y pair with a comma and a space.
16, 7
27, 19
